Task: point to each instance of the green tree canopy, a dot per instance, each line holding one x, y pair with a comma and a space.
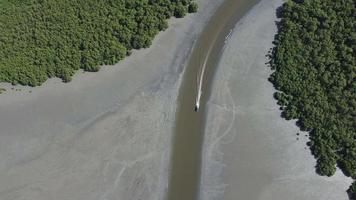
40, 39
314, 63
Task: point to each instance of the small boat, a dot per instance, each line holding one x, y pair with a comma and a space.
196, 107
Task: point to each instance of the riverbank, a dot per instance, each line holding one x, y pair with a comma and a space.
104, 135
250, 152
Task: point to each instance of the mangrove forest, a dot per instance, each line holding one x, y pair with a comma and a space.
314, 63
40, 39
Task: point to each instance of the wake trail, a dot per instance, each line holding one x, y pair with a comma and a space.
201, 72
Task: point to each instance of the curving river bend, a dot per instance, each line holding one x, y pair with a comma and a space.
189, 129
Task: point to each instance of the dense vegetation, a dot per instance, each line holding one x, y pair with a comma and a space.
314, 63
352, 191
40, 39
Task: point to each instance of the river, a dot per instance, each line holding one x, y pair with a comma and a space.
189, 128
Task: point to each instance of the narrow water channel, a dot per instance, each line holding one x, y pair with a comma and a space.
189, 129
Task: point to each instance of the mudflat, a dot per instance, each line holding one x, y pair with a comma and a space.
104, 135
250, 152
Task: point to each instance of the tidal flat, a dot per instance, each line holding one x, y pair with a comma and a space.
250, 152
104, 135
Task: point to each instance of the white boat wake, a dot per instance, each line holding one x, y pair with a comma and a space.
199, 84
200, 75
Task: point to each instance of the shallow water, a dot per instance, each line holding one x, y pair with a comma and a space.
189, 128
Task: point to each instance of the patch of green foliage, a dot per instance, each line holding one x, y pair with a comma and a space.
352, 191
2, 90
314, 63
193, 7
40, 39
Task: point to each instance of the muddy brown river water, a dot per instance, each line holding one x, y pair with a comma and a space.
189, 129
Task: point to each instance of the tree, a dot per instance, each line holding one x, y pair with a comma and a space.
180, 11
314, 74
54, 38
352, 191
193, 7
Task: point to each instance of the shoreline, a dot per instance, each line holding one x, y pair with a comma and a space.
103, 135
250, 152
